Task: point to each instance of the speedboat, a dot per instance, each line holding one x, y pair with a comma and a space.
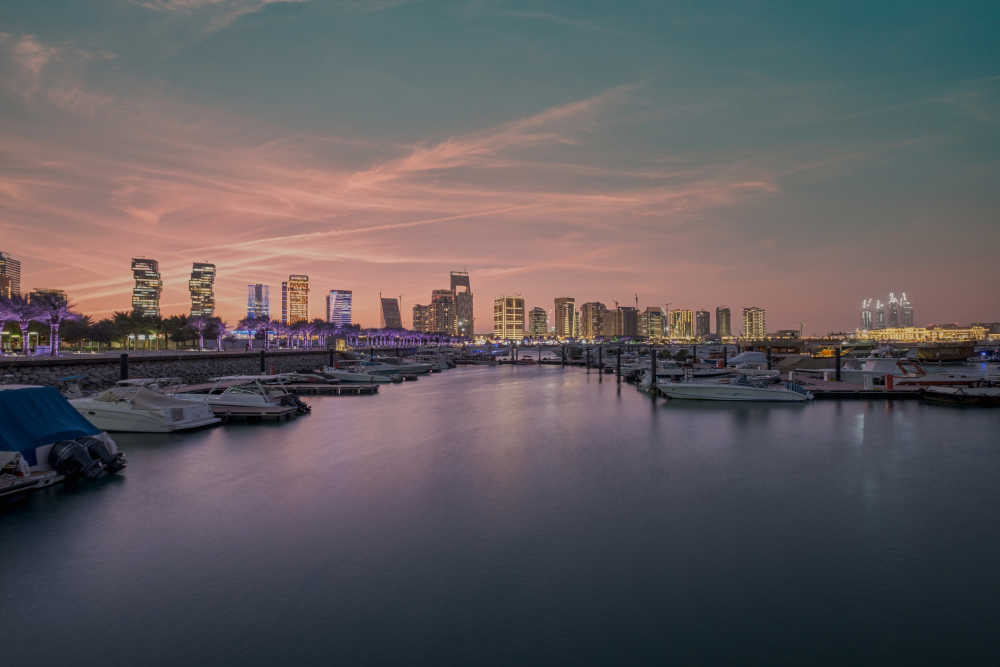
240, 393
43, 441
740, 389
977, 396
397, 365
141, 410
349, 375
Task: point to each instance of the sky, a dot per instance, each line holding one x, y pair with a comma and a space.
795, 156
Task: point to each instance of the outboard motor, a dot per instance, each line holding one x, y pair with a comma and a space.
72, 459
99, 451
301, 407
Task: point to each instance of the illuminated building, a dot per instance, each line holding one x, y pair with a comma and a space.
443, 319
565, 316
867, 313
508, 318
592, 317
723, 322
905, 311
538, 323
627, 321
57, 293
201, 287
893, 319
938, 334
879, 314
464, 312
422, 318
338, 307
682, 323
295, 299
754, 323
148, 285
652, 323
391, 317
10, 275
702, 324
258, 301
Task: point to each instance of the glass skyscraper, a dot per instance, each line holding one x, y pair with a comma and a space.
259, 301
202, 288
338, 307
148, 285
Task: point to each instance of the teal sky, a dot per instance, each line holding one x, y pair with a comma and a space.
697, 153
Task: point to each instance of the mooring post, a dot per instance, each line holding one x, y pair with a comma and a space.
619, 364
371, 353
123, 366
836, 356
562, 353
262, 362
694, 353
652, 370
587, 351
331, 356
600, 358
725, 355
768, 357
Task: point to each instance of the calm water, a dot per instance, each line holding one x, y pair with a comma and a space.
523, 515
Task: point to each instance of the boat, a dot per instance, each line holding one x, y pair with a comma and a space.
221, 395
740, 389
356, 375
140, 410
44, 441
972, 396
393, 365
958, 351
906, 373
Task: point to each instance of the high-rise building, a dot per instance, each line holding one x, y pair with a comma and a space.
258, 301
682, 323
754, 323
723, 322
879, 314
10, 275
201, 285
391, 317
338, 307
295, 299
443, 318
627, 321
652, 323
40, 292
702, 324
538, 323
565, 316
906, 311
892, 319
422, 318
148, 285
867, 314
464, 311
508, 318
592, 316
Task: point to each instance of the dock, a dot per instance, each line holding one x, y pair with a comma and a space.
831, 389
254, 412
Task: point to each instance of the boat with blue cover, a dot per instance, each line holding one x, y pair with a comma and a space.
44, 440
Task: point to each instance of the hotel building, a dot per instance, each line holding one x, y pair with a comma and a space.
538, 323
566, 317
464, 311
682, 323
391, 317
10, 275
443, 318
723, 322
754, 323
421, 318
259, 301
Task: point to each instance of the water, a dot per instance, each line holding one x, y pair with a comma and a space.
523, 515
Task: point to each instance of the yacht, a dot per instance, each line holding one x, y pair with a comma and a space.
140, 410
739, 389
43, 441
240, 393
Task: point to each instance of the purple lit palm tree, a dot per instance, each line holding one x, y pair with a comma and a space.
53, 309
199, 324
19, 309
221, 327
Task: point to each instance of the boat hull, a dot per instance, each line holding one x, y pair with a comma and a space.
705, 392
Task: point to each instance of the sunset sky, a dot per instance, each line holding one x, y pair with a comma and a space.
791, 155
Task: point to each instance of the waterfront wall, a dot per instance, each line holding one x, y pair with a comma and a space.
104, 371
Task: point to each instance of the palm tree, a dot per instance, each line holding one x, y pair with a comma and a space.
221, 327
54, 309
199, 324
21, 310
254, 325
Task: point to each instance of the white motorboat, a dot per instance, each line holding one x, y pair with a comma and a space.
740, 389
43, 440
239, 393
141, 410
396, 365
348, 375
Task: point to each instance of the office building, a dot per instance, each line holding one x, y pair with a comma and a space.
295, 299
566, 317
893, 314
148, 285
652, 323
702, 324
259, 301
10, 275
592, 318
879, 314
754, 323
391, 317
443, 317
202, 288
464, 311
422, 318
338, 307
723, 322
627, 321
508, 318
905, 311
39, 292
538, 323
682, 323
867, 313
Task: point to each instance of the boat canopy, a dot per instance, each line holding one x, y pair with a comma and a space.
38, 416
140, 398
